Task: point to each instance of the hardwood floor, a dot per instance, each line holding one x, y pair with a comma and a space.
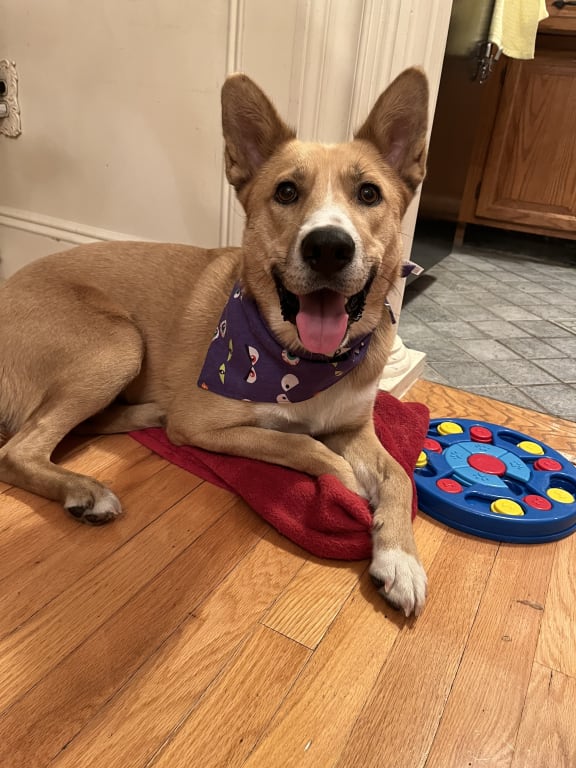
190, 633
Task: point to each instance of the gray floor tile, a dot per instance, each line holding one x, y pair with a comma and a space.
506, 393
565, 345
559, 399
430, 313
521, 372
563, 369
486, 349
532, 299
431, 375
543, 328
467, 374
472, 312
531, 287
499, 324
535, 349
513, 313
501, 329
566, 310
569, 325
443, 350
456, 330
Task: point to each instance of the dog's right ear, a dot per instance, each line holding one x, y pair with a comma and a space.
252, 129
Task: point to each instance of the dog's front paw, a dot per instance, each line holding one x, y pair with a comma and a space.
95, 508
400, 579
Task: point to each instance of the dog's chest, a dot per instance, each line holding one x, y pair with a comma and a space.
339, 407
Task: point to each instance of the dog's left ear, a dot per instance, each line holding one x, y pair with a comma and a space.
397, 127
252, 129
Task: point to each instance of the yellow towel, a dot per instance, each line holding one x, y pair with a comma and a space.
515, 24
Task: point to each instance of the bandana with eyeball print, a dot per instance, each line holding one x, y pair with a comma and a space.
245, 361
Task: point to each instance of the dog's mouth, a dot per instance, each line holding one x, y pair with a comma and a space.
322, 317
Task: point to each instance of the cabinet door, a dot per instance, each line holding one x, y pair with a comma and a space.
530, 172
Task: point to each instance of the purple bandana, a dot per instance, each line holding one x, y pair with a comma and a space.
246, 362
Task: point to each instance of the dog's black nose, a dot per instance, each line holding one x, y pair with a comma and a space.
327, 250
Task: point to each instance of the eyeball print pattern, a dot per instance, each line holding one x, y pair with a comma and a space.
289, 358
254, 356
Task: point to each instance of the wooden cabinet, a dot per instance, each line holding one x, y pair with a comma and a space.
530, 172
523, 170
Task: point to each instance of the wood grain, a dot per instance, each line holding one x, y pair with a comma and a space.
307, 607
53, 632
24, 515
547, 736
62, 703
314, 722
487, 696
557, 644
168, 686
399, 720
225, 726
41, 574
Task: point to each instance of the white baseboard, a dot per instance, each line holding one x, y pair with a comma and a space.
57, 229
26, 236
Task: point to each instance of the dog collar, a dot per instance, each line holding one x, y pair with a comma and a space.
245, 361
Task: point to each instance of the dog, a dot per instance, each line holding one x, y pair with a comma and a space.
213, 344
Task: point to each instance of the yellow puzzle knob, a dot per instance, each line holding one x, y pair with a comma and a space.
506, 507
559, 494
530, 447
422, 460
449, 428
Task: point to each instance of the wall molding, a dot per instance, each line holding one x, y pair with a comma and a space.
58, 229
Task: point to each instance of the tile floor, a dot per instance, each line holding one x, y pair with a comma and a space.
500, 325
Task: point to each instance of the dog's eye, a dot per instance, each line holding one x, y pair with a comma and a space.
286, 193
369, 194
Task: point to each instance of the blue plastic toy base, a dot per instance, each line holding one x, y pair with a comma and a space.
468, 506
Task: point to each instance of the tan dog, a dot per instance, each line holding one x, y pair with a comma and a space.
116, 334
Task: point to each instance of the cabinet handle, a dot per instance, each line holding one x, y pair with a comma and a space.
561, 3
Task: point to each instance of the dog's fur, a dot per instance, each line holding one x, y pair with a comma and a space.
112, 336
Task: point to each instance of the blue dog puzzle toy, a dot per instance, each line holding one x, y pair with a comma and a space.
491, 481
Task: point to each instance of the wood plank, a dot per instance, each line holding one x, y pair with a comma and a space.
400, 717
547, 736
317, 716
29, 653
225, 726
446, 401
49, 571
311, 601
168, 686
27, 519
41, 723
484, 710
557, 643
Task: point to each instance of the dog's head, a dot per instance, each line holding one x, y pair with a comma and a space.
321, 245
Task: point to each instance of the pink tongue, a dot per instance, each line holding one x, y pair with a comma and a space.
322, 321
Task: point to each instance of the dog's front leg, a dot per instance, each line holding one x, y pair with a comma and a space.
297, 451
395, 568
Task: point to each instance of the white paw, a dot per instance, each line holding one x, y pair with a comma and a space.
400, 579
95, 508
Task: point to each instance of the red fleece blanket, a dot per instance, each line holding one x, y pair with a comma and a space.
319, 514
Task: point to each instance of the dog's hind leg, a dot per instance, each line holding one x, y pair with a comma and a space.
97, 378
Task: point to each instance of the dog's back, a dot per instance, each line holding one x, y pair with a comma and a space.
49, 305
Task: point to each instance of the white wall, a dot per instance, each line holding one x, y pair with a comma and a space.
120, 104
